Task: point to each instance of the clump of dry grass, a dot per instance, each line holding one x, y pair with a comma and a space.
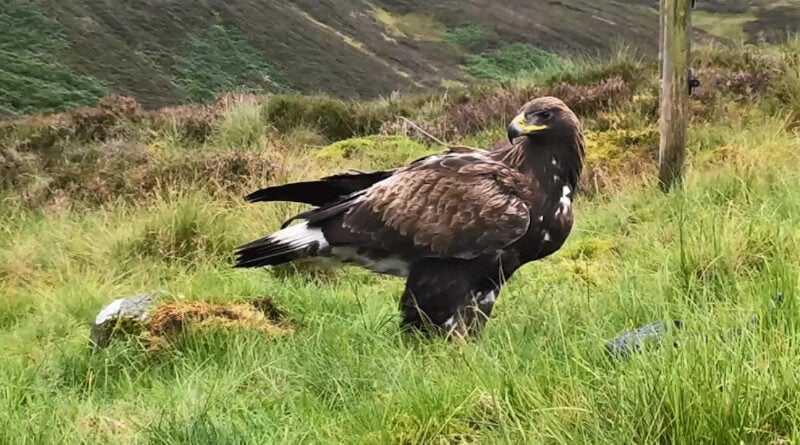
111, 118
120, 170
172, 319
168, 322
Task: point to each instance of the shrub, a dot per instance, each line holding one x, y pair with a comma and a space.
625, 63
514, 61
491, 107
618, 157
111, 118
194, 123
37, 132
243, 126
333, 118
470, 36
118, 170
219, 173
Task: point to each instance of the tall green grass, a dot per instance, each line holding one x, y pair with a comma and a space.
514, 61
712, 254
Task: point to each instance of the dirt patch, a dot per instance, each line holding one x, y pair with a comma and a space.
262, 315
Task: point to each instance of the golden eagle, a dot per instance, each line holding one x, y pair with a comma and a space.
455, 225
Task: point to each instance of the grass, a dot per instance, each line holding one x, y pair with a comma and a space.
711, 255
470, 36
514, 61
726, 26
31, 80
221, 61
412, 26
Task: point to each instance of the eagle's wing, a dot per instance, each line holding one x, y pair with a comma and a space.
452, 206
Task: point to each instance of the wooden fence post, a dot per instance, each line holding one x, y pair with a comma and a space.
674, 51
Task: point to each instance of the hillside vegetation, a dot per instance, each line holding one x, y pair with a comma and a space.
102, 202
57, 54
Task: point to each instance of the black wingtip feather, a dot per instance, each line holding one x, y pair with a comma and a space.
315, 193
319, 193
265, 252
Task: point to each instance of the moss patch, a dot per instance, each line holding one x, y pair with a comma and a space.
374, 152
411, 26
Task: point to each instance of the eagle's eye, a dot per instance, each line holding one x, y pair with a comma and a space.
545, 115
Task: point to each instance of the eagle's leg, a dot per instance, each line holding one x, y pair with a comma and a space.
479, 310
441, 297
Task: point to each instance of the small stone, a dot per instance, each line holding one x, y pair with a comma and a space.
126, 315
634, 341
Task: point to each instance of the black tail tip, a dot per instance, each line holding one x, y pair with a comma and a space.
253, 197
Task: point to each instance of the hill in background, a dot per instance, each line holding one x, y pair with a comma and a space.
55, 54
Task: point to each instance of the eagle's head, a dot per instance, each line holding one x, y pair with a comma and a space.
544, 118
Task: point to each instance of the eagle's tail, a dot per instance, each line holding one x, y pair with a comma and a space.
292, 243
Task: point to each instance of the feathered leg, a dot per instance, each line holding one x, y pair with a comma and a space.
479, 309
443, 297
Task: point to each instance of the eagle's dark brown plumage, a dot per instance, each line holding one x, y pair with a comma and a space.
456, 225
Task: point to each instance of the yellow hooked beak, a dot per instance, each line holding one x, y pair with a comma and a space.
519, 127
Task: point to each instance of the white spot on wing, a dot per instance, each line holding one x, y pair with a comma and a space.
546, 235
565, 200
554, 162
541, 218
300, 235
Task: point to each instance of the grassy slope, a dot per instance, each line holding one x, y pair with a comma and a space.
349, 48
710, 254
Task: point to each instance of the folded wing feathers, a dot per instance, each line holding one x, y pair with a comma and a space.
282, 246
422, 204
322, 192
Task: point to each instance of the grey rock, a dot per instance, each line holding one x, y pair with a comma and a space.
631, 342
634, 341
124, 314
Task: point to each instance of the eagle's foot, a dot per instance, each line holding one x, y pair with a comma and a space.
466, 322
